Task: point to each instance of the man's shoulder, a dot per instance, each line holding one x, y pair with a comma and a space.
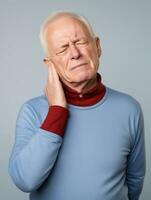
36, 103
36, 100
124, 100
32, 111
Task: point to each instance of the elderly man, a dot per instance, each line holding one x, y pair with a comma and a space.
81, 140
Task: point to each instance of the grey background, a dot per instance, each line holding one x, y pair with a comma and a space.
125, 30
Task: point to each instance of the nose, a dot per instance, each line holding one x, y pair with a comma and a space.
74, 52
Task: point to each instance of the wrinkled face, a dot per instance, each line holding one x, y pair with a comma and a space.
72, 50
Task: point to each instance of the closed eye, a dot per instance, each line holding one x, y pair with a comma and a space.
62, 49
81, 42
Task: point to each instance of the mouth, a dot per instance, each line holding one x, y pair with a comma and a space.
78, 66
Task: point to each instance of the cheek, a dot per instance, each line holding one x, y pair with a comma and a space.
90, 52
93, 57
59, 64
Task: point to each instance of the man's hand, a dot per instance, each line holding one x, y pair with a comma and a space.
54, 90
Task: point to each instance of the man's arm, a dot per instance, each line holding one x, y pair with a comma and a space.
34, 152
36, 147
137, 161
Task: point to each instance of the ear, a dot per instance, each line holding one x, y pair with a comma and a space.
46, 60
98, 46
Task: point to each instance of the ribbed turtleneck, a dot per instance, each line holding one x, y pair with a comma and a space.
89, 98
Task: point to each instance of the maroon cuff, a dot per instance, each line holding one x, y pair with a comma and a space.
56, 120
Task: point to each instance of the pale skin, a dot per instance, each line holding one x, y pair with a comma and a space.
73, 55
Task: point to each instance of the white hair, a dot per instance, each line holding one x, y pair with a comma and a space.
57, 15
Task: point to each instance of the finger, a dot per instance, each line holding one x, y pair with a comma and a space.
54, 72
53, 75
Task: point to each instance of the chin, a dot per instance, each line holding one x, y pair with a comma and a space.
82, 76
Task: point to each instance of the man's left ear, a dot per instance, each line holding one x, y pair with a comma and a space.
97, 40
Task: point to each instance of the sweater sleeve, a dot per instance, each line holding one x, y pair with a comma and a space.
56, 120
137, 161
34, 152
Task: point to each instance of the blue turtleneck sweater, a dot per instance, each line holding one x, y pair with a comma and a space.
100, 157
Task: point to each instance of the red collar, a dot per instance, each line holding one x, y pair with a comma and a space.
93, 96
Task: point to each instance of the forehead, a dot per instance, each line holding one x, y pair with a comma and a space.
66, 28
